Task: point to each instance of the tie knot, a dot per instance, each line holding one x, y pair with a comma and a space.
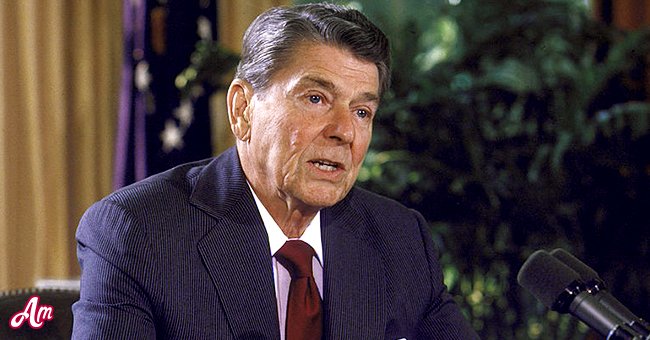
296, 257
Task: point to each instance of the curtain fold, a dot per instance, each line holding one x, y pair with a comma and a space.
235, 16
59, 68
60, 64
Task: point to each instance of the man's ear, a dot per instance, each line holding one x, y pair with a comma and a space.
238, 100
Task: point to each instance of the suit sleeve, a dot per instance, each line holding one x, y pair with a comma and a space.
116, 276
443, 319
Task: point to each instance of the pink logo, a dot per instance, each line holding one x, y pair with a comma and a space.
34, 314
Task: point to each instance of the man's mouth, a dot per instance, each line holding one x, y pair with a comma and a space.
326, 165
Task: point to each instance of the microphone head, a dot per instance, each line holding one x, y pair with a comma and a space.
548, 280
586, 273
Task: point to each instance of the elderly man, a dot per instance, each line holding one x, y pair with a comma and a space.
271, 240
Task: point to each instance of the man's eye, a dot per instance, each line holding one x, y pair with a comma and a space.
363, 113
315, 99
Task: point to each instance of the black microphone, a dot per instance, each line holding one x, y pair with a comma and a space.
559, 288
596, 287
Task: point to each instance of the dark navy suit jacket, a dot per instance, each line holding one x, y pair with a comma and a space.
184, 255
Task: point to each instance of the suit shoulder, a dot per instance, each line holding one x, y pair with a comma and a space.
386, 216
141, 210
160, 189
368, 201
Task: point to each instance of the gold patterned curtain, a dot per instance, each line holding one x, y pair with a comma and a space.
235, 16
59, 72
59, 80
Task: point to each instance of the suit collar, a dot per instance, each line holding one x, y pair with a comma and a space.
354, 296
236, 256
221, 186
236, 250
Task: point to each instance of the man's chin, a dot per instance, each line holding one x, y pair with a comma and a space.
323, 198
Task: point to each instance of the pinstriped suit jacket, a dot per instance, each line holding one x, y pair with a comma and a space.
184, 255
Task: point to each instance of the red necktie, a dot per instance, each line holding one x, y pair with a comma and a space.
304, 317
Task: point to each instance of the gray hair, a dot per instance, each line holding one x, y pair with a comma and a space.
270, 40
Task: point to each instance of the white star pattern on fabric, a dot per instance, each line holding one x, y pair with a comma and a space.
185, 113
171, 136
142, 76
203, 28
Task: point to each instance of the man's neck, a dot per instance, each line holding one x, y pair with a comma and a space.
292, 217
293, 222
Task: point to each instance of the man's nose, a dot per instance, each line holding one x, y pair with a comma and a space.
340, 126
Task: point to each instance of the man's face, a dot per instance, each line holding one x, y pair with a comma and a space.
310, 129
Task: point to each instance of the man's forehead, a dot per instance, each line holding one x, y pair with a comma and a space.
313, 58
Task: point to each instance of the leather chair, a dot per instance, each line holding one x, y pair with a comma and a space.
60, 327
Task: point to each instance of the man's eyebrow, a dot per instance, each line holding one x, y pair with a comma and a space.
369, 97
328, 85
315, 80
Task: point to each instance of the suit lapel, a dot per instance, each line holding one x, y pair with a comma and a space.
241, 270
236, 251
237, 257
354, 296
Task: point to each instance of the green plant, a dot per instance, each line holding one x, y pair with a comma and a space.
209, 64
514, 126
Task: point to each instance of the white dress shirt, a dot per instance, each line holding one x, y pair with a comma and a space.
282, 279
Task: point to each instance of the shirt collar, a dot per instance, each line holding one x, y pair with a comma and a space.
277, 238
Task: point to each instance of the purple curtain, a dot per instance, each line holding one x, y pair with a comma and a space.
157, 127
